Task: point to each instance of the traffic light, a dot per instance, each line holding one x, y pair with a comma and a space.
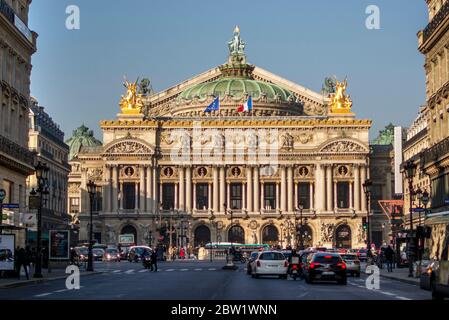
365, 224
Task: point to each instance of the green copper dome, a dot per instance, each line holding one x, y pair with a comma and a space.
82, 137
238, 88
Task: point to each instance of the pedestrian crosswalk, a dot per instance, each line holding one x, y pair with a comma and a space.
134, 271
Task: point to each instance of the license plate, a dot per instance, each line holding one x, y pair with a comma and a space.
272, 266
328, 273
295, 271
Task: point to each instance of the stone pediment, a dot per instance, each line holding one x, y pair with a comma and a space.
128, 146
344, 146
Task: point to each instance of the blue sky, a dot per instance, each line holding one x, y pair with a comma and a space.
77, 75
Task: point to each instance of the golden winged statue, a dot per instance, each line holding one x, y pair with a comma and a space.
131, 102
341, 102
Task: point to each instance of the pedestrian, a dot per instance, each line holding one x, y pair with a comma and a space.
22, 261
153, 259
389, 256
182, 254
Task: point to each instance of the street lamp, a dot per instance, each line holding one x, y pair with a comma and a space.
92, 190
410, 172
42, 188
367, 188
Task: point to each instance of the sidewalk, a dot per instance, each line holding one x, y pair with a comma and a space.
55, 274
399, 274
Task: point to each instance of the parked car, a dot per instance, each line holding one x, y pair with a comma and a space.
251, 258
136, 252
325, 266
352, 264
111, 254
439, 279
269, 263
97, 254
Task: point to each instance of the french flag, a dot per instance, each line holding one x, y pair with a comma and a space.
248, 106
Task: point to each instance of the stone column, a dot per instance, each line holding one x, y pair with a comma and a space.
142, 189
209, 196
181, 189
243, 196
256, 197
249, 189
228, 195
262, 196
149, 190
335, 195
161, 192
290, 191
362, 182
329, 187
216, 194
114, 188
136, 204
84, 194
156, 195
176, 197
296, 195
122, 195
320, 188
194, 196
351, 204
109, 189
222, 189
283, 197
356, 188
189, 189
312, 204
277, 196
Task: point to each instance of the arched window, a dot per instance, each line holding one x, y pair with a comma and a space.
236, 235
129, 229
343, 237
270, 235
202, 236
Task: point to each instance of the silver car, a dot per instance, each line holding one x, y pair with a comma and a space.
352, 264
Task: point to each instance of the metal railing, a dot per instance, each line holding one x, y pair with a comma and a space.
436, 21
16, 151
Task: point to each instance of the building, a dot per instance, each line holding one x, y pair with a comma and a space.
17, 45
382, 178
82, 138
46, 140
417, 142
168, 167
433, 42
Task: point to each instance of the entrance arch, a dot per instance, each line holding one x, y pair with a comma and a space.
270, 235
202, 236
236, 234
129, 229
343, 237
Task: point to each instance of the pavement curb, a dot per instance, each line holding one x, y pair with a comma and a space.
36, 281
408, 281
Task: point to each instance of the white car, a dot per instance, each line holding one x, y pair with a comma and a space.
269, 263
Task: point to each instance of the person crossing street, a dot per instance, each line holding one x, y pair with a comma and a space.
153, 259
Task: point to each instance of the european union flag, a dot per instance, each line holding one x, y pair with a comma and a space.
215, 106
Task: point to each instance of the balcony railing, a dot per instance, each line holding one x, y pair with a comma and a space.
16, 151
436, 21
436, 152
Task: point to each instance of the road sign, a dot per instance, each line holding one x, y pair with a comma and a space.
419, 210
11, 206
2, 195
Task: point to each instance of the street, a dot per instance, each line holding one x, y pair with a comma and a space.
193, 280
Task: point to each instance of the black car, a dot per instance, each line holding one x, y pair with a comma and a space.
135, 253
325, 267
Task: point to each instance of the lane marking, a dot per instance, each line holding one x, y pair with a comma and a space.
142, 271
43, 295
212, 269
116, 271
130, 271
199, 269
184, 270
170, 270
60, 291
387, 293
403, 298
